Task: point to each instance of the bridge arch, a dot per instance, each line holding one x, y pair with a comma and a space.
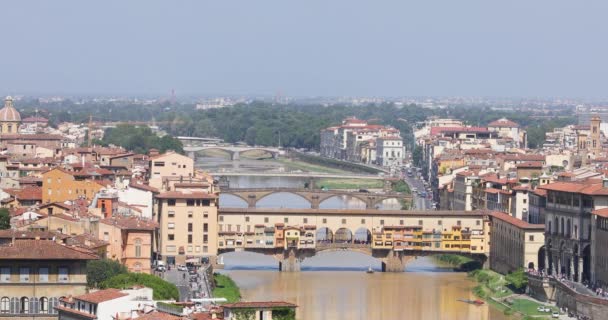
289, 198
343, 235
230, 200
324, 235
335, 202
247, 260
272, 153
389, 203
229, 154
363, 236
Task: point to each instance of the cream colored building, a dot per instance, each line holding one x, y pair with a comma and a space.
188, 224
34, 274
515, 244
169, 165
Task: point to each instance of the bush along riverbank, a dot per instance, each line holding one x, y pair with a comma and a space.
460, 263
225, 287
506, 293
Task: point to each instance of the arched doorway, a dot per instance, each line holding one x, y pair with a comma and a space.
363, 236
325, 235
343, 235
587, 263
541, 258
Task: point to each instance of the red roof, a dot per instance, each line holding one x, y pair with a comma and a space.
516, 222
601, 212
438, 130
263, 304
43, 250
131, 223
530, 164
101, 296
76, 312
523, 157
503, 123
588, 187
494, 190
142, 186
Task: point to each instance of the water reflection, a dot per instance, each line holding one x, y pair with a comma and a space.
357, 295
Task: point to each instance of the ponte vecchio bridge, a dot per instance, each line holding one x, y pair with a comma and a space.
392, 236
315, 196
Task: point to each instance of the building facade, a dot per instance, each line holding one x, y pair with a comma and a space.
34, 274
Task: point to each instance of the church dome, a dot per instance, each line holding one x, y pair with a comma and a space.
9, 113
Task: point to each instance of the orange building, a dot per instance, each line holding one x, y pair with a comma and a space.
130, 241
59, 185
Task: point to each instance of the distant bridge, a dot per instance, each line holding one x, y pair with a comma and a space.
234, 151
296, 174
315, 197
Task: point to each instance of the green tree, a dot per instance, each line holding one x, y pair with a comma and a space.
5, 219
517, 279
417, 156
163, 290
99, 271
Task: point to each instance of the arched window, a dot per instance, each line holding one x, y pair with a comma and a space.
138, 247
562, 227
568, 228
575, 232
24, 305
5, 305
44, 305
556, 225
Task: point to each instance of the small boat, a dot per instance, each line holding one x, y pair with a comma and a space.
475, 302
370, 270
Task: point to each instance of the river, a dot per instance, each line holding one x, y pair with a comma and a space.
424, 291
335, 285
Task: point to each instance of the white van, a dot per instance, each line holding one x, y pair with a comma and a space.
160, 265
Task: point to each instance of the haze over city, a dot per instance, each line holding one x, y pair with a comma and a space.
306, 48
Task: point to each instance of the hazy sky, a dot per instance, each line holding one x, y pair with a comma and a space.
523, 48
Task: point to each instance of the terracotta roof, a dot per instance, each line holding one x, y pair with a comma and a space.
601, 212
438, 130
43, 235
494, 190
191, 184
530, 164
262, 304
86, 240
43, 250
101, 296
34, 120
523, 157
186, 195
131, 223
516, 222
156, 315
504, 123
39, 136
540, 192
588, 187
76, 312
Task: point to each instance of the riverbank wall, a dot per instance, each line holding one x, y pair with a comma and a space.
334, 163
552, 290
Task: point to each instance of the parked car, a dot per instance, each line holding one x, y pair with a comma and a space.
182, 268
161, 268
555, 315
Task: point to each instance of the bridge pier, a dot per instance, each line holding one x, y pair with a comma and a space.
251, 200
291, 263
235, 156
394, 261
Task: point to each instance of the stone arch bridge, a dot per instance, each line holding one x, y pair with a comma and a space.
234, 151
314, 197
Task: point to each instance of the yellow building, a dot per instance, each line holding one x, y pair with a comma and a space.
515, 244
34, 274
10, 119
59, 185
